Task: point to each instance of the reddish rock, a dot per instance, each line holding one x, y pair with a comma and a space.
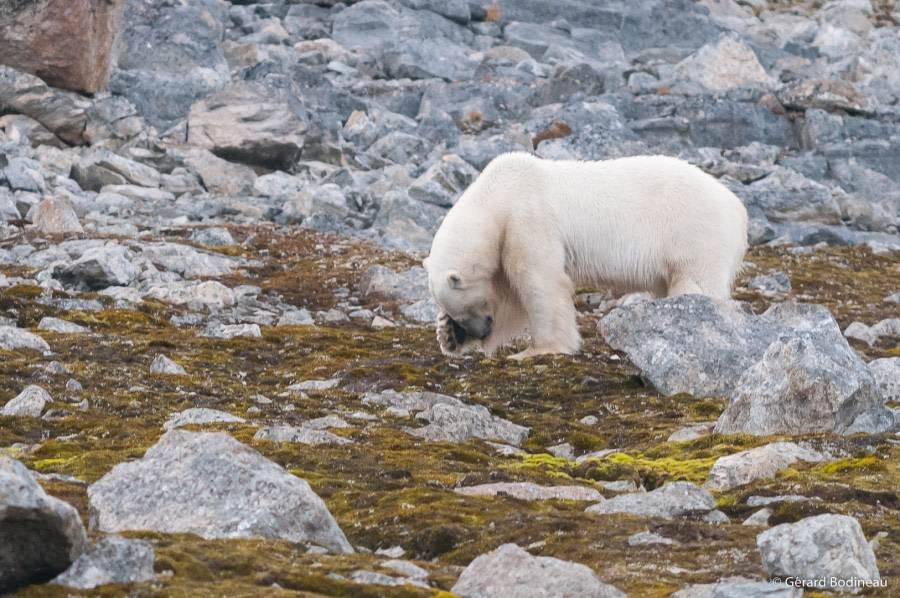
64, 42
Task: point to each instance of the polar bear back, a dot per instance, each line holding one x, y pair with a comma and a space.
632, 223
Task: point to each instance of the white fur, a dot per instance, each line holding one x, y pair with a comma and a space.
528, 230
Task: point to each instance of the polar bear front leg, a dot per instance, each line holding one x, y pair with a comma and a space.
551, 315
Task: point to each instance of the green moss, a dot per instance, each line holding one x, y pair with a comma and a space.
869, 463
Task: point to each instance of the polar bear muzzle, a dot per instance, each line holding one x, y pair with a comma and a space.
478, 327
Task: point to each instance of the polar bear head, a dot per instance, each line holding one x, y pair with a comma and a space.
466, 300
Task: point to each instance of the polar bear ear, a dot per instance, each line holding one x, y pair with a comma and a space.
454, 280
425, 263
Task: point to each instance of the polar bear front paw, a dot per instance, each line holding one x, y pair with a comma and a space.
447, 336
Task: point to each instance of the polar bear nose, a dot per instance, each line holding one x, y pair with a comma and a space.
488, 322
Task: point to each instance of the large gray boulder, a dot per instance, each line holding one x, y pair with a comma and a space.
803, 386
63, 113
30, 402
99, 267
40, 536
211, 485
510, 572
251, 122
825, 547
701, 346
13, 339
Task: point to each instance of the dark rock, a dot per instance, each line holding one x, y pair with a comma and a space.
40, 536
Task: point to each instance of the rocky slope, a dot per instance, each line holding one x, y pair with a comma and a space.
216, 342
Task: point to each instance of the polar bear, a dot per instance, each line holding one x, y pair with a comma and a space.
505, 261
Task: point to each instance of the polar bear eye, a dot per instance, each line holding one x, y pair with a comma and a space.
454, 281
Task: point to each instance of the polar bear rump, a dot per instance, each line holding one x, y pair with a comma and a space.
506, 259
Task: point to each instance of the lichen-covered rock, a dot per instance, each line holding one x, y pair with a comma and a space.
201, 415
41, 535
61, 326
802, 386
726, 64
28, 403
825, 547
675, 499
758, 463
449, 418
13, 339
887, 376
163, 365
510, 572
702, 346
113, 559
99, 267
211, 485
55, 216
302, 435
530, 491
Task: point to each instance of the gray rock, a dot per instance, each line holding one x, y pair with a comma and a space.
887, 376
380, 281
774, 283
99, 267
426, 59
424, 311
529, 491
649, 538
701, 346
163, 365
218, 175
201, 415
562, 451
296, 317
691, 432
450, 419
725, 64
214, 237
762, 501
28, 403
102, 167
63, 113
113, 559
55, 216
301, 435
42, 535
171, 55
13, 339
887, 328
250, 122
215, 329
739, 587
382, 579
329, 421
188, 261
758, 463
60, 326
510, 572
802, 385
675, 499
828, 547
760, 517
211, 485
209, 294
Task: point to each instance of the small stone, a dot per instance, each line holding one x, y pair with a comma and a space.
649, 538
563, 451
201, 415
296, 317
299, 435
314, 385
691, 432
675, 499
774, 283
379, 322
329, 421
73, 385
406, 568
216, 329
28, 403
163, 365
760, 517
60, 326
887, 375
56, 368
530, 491
113, 559
212, 237
589, 420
